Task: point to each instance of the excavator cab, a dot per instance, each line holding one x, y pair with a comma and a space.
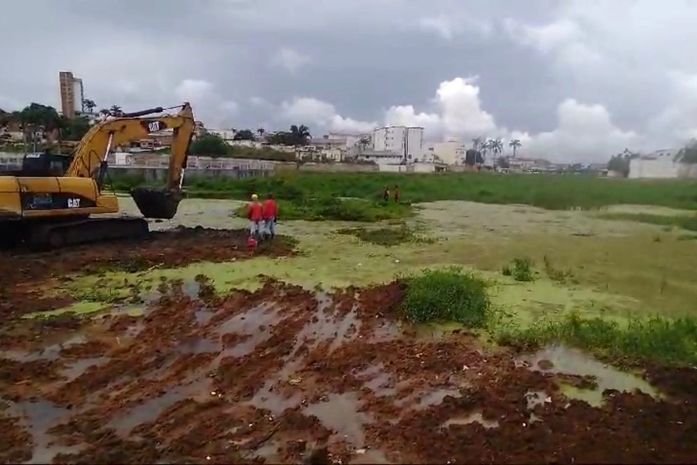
43, 164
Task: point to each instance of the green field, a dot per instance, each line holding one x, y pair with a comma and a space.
551, 192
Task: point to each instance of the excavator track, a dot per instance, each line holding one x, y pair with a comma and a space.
56, 235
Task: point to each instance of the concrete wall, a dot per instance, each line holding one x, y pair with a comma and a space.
160, 174
658, 168
326, 167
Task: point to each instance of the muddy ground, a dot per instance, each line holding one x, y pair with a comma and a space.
287, 374
25, 277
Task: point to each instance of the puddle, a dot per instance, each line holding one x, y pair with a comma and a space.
269, 452
564, 360
267, 399
203, 316
474, 417
191, 289
324, 301
255, 323
535, 398
198, 346
369, 456
340, 414
426, 399
377, 380
78, 367
151, 409
39, 417
50, 352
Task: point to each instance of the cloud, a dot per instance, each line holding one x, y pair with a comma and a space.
449, 27
321, 115
290, 60
458, 114
207, 103
678, 121
584, 133
563, 39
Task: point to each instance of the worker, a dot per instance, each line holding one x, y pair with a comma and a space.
396, 193
270, 214
386, 194
256, 217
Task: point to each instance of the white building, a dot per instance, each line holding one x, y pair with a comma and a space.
450, 153
400, 140
659, 164
225, 134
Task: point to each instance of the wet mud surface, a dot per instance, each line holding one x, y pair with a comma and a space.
25, 276
285, 374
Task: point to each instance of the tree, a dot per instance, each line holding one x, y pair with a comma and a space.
515, 144
301, 134
497, 146
209, 145
74, 129
115, 110
89, 105
298, 135
476, 143
688, 154
620, 162
244, 134
261, 132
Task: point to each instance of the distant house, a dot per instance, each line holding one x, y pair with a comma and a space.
658, 164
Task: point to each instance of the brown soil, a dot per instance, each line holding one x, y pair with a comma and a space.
25, 277
284, 374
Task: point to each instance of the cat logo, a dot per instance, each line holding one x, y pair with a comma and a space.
154, 126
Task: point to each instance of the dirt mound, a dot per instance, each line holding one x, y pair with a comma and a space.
25, 276
286, 374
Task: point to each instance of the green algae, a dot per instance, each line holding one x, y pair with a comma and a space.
618, 268
82, 308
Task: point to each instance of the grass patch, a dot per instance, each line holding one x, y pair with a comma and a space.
521, 269
686, 222
555, 192
447, 295
332, 208
387, 237
656, 339
556, 274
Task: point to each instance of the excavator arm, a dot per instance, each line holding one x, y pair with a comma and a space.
90, 156
90, 159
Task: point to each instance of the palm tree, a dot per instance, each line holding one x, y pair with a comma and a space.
476, 143
90, 105
115, 110
300, 134
515, 143
261, 132
497, 146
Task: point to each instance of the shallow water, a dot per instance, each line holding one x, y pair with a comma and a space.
340, 414
576, 362
474, 417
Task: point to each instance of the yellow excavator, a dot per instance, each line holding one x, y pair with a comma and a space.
45, 210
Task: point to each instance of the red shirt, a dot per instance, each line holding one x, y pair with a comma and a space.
270, 209
254, 211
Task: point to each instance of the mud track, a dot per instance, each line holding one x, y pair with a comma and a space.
284, 374
25, 277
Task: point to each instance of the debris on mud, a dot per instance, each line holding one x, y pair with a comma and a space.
25, 276
284, 374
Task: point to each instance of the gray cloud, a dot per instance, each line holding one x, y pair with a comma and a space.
558, 74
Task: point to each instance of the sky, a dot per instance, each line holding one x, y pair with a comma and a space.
574, 80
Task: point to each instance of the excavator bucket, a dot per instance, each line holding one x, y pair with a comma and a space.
156, 203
